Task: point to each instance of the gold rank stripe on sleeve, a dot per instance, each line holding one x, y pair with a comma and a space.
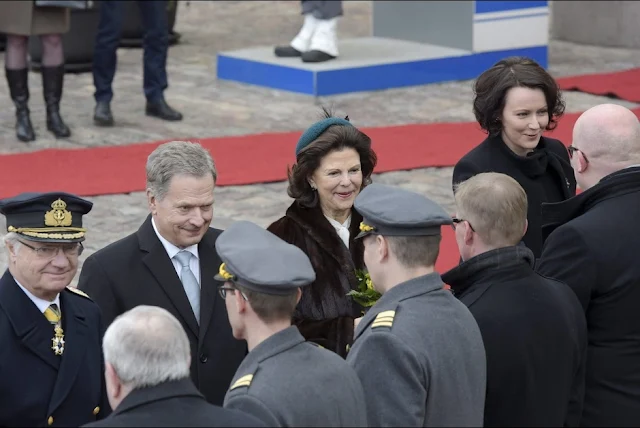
384, 319
243, 381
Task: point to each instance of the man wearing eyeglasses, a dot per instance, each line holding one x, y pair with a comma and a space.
593, 247
50, 334
533, 329
284, 381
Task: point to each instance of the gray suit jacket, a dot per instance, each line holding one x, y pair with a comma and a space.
285, 381
420, 357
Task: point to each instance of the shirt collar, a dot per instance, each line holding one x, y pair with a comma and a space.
40, 303
337, 224
171, 249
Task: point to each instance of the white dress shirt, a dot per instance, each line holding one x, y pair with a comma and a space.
40, 303
172, 250
342, 229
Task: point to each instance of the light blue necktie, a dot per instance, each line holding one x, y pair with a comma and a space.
189, 282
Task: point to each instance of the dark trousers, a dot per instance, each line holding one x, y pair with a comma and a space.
153, 14
322, 9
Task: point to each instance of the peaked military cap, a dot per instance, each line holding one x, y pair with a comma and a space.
393, 211
257, 259
46, 217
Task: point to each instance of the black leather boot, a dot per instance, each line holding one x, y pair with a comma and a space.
18, 81
52, 81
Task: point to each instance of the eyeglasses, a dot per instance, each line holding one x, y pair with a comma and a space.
572, 150
223, 292
46, 253
460, 220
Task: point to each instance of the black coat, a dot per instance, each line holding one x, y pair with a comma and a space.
325, 313
173, 404
535, 338
136, 270
545, 175
593, 248
37, 386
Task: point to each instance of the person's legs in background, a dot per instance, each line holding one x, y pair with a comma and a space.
317, 40
53, 82
153, 14
17, 74
105, 59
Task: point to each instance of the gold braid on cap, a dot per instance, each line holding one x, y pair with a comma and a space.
223, 272
365, 227
50, 232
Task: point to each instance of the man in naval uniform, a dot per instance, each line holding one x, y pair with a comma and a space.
418, 351
284, 380
51, 370
317, 40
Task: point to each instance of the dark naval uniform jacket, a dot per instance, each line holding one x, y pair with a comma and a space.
136, 270
37, 387
287, 382
174, 403
420, 357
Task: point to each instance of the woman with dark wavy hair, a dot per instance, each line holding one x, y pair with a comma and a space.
516, 100
334, 162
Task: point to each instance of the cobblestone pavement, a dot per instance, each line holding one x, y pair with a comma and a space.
217, 108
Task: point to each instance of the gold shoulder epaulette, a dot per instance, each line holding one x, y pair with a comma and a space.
384, 319
243, 381
78, 292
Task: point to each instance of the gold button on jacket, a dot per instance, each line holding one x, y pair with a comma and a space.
50, 420
96, 410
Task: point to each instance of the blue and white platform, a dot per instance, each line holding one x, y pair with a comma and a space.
448, 41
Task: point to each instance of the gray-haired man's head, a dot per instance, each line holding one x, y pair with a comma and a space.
144, 347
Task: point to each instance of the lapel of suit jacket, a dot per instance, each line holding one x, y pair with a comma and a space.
161, 267
27, 321
210, 302
75, 333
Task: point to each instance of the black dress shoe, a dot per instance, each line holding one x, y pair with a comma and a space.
102, 114
287, 52
316, 56
162, 110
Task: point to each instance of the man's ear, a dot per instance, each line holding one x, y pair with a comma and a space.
112, 379
299, 295
582, 162
468, 234
383, 247
152, 202
12, 248
241, 304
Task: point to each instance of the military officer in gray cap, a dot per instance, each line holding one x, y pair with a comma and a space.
284, 380
418, 351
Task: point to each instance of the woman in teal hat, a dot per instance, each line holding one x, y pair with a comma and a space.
334, 161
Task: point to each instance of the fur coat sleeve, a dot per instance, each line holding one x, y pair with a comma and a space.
325, 313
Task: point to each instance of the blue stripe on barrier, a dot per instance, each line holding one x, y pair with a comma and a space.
484, 6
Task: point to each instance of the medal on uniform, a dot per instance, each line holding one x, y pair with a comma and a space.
58, 340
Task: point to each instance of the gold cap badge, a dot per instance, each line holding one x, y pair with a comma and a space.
58, 216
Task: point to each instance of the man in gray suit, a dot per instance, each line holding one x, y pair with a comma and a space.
418, 351
284, 381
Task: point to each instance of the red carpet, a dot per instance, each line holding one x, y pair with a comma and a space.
240, 160
624, 85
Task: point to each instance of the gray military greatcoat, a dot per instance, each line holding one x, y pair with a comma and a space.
285, 381
420, 357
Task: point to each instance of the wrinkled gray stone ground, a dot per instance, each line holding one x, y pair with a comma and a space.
217, 108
